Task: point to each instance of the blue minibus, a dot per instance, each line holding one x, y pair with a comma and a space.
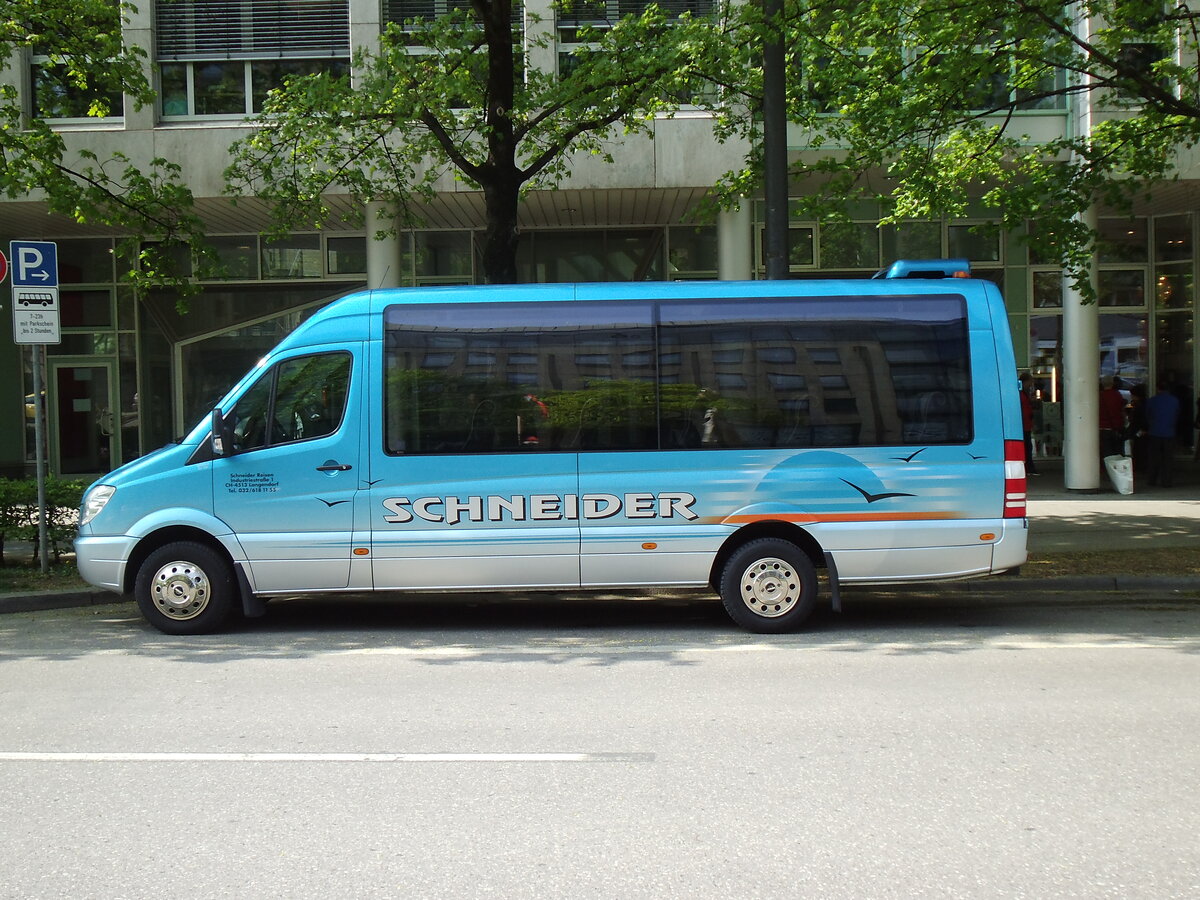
771, 440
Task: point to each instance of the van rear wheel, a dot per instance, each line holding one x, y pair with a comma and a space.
769, 586
185, 588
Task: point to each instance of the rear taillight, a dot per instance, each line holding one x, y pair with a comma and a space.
1014, 479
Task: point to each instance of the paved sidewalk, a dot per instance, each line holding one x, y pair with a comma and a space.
1060, 521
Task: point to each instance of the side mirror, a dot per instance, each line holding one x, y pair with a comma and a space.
222, 435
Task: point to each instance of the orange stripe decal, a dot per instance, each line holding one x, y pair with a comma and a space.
814, 519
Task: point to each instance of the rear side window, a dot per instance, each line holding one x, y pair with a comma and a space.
297, 399
815, 372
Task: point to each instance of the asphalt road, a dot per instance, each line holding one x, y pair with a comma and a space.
913, 746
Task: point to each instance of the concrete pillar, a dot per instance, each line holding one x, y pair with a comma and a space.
1081, 330
384, 268
735, 243
539, 36
138, 32
1081, 386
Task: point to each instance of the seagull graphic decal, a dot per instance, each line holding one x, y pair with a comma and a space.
332, 502
910, 456
871, 498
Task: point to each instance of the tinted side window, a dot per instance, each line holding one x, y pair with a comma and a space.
296, 400
492, 377
815, 372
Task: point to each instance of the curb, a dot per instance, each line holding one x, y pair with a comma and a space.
35, 601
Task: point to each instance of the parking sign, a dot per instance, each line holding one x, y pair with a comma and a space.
35, 292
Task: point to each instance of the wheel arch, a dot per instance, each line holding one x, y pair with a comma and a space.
169, 535
774, 528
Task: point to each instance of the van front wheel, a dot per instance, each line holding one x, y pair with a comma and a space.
769, 586
185, 588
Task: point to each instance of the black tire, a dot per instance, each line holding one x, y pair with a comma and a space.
769, 586
186, 588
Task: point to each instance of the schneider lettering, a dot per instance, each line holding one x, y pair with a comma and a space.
540, 507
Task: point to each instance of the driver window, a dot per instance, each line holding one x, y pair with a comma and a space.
297, 400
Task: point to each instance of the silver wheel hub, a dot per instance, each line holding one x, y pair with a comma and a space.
180, 590
770, 587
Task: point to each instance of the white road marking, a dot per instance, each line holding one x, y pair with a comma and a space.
81, 756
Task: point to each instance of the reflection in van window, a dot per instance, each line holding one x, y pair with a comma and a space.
753, 373
296, 400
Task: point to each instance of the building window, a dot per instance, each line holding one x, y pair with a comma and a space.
57, 95
1122, 241
1121, 287
850, 245
220, 58
912, 240
973, 242
1047, 288
579, 23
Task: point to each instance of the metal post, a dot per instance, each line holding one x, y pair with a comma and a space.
39, 432
775, 175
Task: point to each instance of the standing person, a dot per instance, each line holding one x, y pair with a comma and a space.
1026, 381
1136, 432
1112, 418
1196, 422
1162, 418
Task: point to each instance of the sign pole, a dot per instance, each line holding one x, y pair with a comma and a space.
36, 322
39, 438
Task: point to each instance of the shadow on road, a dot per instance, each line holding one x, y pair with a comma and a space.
611, 630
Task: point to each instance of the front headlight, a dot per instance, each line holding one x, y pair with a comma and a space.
94, 501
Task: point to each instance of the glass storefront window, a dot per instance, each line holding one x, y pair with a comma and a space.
1174, 287
172, 259
212, 365
1047, 289
346, 255
443, 254
850, 245
800, 250
693, 251
297, 256
1173, 343
1045, 355
88, 261
1172, 238
1124, 349
238, 255
1122, 241
977, 246
1121, 287
86, 309
1045, 339
912, 240
1041, 248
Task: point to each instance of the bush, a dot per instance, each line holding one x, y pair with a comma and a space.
19, 513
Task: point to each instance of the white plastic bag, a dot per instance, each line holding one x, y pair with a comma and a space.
1120, 472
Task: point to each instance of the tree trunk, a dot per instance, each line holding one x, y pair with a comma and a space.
500, 239
500, 177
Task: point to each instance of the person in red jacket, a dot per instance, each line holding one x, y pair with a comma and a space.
1027, 421
1112, 418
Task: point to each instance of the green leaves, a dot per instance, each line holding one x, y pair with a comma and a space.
83, 42
928, 107
456, 98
